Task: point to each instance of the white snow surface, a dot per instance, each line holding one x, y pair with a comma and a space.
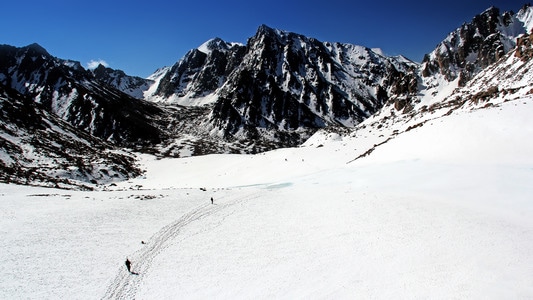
526, 16
187, 100
440, 211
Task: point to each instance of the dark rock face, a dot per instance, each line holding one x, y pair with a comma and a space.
66, 89
473, 46
288, 82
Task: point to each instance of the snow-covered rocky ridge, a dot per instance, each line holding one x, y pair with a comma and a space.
193, 79
288, 82
66, 89
468, 50
507, 80
38, 148
281, 86
131, 85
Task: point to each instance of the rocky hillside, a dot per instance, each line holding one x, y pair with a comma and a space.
199, 73
131, 85
38, 148
471, 48
66, 89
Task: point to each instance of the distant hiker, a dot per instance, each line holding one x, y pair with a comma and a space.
211, 200
128, 265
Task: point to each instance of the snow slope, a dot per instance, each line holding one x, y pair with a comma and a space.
440, 211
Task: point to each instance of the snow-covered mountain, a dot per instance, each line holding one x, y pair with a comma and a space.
508, 79
131, 85
288, 85
38, 148
288, 82
275, 91
66, 89
198, 74
470, 49
282, 86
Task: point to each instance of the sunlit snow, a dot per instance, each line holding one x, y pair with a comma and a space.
441, 211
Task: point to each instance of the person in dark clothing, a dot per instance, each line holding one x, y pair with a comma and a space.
211, 200
128, 265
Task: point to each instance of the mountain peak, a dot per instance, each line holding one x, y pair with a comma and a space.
269, 31
100, 67
213, 44
378, 51
264, 28
491, 10
36, 48
216, 44
102, 70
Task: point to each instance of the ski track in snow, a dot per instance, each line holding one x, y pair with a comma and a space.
125, 285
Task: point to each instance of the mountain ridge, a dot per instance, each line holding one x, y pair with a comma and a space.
39, 148
277, 90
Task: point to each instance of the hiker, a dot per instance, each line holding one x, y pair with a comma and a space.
211, 200
128, 264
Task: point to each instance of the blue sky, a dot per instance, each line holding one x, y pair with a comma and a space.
141, 36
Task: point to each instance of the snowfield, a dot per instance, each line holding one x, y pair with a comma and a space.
442, 211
